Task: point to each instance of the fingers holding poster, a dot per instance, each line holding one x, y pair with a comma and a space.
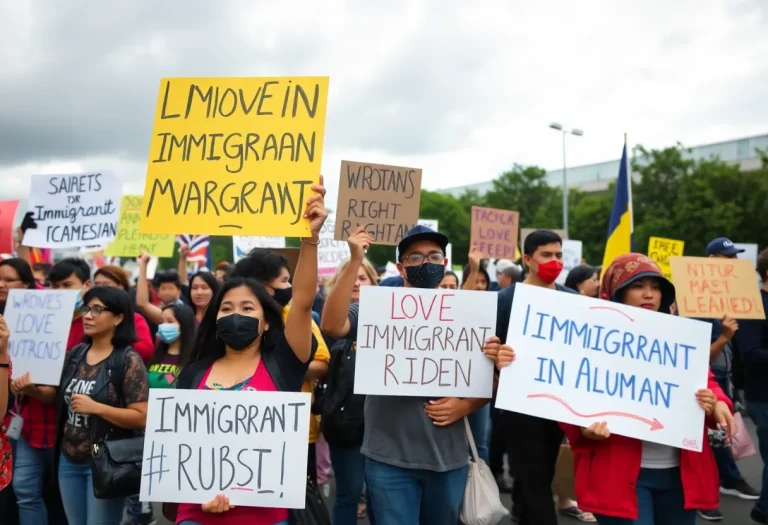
235, 156
712, 287
74, 210
581, 360
426, 343
250, 446
384, 199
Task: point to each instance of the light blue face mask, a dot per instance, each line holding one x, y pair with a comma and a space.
168, 333
79, 301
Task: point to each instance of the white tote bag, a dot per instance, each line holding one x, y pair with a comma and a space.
482, 503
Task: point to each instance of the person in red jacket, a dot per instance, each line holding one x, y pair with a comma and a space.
627, 481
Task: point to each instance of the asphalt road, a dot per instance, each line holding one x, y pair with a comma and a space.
736, 511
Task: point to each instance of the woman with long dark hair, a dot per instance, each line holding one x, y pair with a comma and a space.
176, 340
14, 273
243, 344
203, 287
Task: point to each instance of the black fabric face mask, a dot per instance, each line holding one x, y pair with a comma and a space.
427, 276
283, 296
238, 331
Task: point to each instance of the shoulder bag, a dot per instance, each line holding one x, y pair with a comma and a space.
482, 503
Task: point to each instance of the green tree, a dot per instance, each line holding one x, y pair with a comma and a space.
525, 189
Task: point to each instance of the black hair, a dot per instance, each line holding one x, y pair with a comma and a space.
42, 267
208, 347
209, 279
261, 264
482, 271
451, 274
762, 265
186, 319
22, 270
70, 266
118, 302
578, 275
168, 276
540, 238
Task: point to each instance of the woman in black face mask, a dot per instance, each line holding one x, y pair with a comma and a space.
244, 344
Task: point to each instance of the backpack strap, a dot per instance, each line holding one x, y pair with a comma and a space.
115, 366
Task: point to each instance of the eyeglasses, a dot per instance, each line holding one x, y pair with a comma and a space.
417, 259
95, 311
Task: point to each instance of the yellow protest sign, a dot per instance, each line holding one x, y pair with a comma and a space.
234, 156
129, 242
660, 250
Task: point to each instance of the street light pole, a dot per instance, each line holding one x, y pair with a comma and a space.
577, 132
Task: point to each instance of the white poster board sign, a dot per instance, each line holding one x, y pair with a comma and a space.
582, 360
432, 224
330, 253
250, 446
428, 343
39, 321
750, 253
243, 244
74, 210
571, 259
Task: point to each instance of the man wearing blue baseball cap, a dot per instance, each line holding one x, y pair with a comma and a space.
722, 247
721, 359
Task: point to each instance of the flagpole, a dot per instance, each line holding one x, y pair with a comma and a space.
629, 192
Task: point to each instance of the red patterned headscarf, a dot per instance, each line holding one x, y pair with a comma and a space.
628, 268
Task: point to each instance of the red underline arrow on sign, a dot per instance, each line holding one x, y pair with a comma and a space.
655, 424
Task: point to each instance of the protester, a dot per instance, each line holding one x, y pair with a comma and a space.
583, 279
507, 273
475, 276
167, 284
271, 268
176, 339
416, 470
223, 271
40, 271
115, 276
202, 288
343, 427
34, 460
6, 458
450, 281
243, 344
14, 273
752, 342
670, 483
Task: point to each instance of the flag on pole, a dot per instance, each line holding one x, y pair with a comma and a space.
621, 228
199, 250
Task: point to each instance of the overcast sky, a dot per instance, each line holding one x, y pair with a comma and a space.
460, 89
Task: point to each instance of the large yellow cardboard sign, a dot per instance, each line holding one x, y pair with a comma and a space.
660, 250
234, 156
129, 242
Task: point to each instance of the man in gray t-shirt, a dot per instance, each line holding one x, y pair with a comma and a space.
416, 448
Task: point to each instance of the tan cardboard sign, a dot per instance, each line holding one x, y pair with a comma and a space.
494, 232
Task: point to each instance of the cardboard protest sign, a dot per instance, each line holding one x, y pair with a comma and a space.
428, 343
74, 210
249, 445
494, 232
234, 156
129, 242
711, 287
582, 360
525, 232
660, 250
330, 252
7, 214
243, 244
571, 258
39, 321
384, 199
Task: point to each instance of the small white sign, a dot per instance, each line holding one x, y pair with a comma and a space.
330, 253
571, 258
582, 360
250, 446
427, 343
750, 253
39, 321
74, 210
432, 224
243, 244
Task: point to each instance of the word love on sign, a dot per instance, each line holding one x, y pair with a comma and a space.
494, 232
583, 360
710, 288
427, 343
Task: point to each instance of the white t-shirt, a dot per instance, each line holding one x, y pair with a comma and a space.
657, 456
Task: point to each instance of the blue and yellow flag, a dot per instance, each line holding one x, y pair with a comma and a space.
621, 228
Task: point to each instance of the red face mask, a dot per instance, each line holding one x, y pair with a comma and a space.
549, 271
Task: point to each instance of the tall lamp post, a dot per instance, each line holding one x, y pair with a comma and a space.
575, 131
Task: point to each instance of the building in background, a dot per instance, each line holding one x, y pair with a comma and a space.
594, 178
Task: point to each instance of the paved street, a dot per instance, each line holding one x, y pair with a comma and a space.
736, 511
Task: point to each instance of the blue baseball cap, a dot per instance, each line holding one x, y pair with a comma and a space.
421, 233
722, 246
